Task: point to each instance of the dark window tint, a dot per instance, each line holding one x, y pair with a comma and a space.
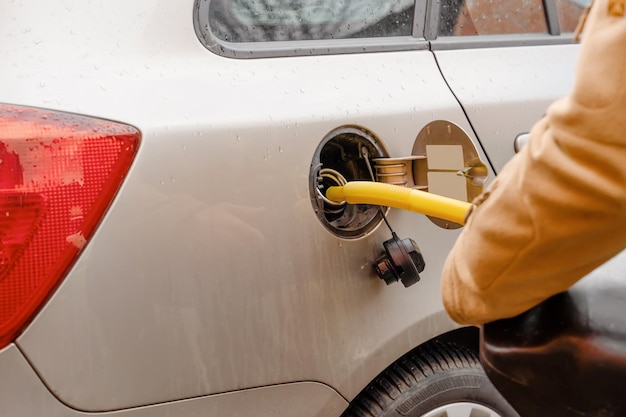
290, 20
569, 13
491, 17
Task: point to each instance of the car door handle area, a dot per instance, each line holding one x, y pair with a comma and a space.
520, 141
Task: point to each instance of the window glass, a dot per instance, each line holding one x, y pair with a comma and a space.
289, 20
569, 12
491, 17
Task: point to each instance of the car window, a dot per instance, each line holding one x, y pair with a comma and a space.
291, 20
489, 17
569, 12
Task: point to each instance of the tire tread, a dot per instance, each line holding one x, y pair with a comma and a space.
429, 359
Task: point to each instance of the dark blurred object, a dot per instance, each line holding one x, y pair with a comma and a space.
565, 357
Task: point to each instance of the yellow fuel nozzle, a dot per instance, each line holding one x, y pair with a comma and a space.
366, 192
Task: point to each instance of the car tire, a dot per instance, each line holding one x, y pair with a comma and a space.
435, 380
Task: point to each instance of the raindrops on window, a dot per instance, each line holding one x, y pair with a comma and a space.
290, 20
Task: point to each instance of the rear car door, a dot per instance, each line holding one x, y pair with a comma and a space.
505, 62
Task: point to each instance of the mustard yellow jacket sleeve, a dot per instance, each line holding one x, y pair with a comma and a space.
558, 208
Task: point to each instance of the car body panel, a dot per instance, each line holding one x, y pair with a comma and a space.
226, 260
25, 395
506, 90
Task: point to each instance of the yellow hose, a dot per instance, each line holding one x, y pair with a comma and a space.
367, 192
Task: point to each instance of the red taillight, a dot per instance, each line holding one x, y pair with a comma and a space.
58, 174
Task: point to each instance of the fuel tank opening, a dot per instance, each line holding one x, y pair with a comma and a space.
340, 158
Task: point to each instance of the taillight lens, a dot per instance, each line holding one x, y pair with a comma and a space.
58, 174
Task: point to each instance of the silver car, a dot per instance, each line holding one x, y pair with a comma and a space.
166, 244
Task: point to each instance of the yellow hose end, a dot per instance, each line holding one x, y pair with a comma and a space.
335, 194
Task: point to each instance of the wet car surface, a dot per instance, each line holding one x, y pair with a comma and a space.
194, 269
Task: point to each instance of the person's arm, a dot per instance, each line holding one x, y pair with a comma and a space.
558, 208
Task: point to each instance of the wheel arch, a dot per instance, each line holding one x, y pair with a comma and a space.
467, 337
